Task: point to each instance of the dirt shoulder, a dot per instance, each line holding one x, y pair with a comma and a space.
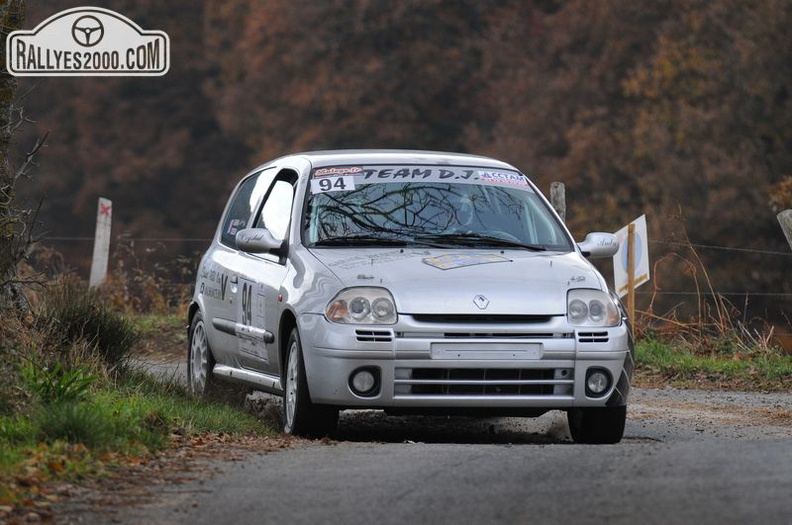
141, 480
163, 341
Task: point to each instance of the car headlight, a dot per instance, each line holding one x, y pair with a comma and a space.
591, 308
362, 306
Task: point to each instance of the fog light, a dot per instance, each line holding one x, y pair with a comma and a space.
365, 382
598, 382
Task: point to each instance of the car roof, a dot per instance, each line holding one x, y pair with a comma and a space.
394, 156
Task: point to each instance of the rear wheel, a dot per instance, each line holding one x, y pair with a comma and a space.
597, 425
301, 416
200, 361
201, 380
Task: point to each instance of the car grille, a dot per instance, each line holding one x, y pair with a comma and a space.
418, 382
480, 319
592, 337
485, 335
477, 326
374, 336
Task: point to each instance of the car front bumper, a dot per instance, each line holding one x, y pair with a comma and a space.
442, 365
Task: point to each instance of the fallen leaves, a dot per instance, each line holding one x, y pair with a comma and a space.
53, 473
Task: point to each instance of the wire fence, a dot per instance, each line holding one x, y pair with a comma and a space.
723, 248
125, 239
681, 293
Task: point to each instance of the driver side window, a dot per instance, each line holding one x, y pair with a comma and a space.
276, 211
243, 204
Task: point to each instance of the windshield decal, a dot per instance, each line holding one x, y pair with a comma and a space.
496, 177
330, 184
460, 260
325, 172
390, 174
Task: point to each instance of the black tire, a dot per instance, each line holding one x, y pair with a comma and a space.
301, 417
597, 425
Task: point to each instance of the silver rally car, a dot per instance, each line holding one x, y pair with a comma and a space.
411, 281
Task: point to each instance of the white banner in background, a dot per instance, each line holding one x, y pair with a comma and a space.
641, 257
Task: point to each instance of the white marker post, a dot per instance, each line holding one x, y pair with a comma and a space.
631, 262
101, 251
785, 218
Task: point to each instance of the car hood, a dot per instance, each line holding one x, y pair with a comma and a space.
451, 281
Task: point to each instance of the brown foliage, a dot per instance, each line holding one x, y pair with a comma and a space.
639, 107
781, 194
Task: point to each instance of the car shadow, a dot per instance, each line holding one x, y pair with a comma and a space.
375, 426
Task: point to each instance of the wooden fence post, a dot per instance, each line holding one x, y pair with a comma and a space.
558, 199
631, 271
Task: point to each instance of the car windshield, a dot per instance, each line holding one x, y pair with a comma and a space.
428, 205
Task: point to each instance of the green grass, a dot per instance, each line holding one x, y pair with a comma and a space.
183, 412
74, 313
682, 365
73, 438
153, 323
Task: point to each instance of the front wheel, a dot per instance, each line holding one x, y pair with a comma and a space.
597, 425
301, 416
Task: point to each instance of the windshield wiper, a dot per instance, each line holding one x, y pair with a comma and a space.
477, 239
361, 240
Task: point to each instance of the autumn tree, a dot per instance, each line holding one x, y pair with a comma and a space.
152, 145
648, 106
12, 219
712, 130
347, 74
653, 107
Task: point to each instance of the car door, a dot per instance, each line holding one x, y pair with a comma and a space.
219, 271
258, 279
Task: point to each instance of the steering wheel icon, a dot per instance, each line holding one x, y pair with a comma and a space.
87, 31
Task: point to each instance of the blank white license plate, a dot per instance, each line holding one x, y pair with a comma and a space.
484, 351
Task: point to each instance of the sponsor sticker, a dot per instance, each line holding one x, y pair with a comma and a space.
235, 225
388, 174
88, 41
460, 260
376, 258
325, 172
497, 177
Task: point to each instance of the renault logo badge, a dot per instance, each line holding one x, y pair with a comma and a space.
481, 301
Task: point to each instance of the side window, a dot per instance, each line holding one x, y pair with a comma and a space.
276, 212
243, 204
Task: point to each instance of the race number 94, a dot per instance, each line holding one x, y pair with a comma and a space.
328, 184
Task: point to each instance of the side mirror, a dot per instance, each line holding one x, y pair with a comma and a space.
257, 240
599, 244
